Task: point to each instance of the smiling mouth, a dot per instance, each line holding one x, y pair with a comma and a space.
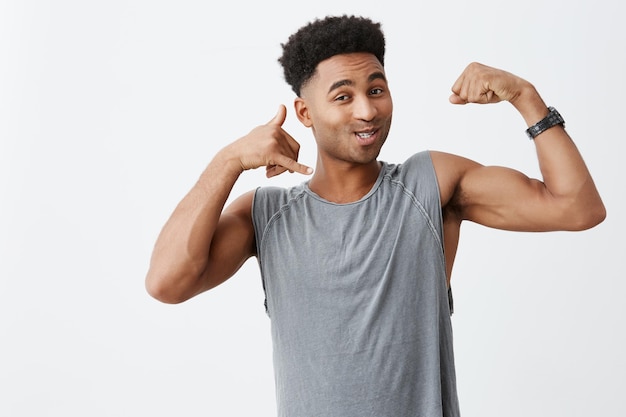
366, 138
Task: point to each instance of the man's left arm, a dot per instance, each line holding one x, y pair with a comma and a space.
565, 199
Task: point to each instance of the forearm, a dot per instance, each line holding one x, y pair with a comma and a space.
565, 175
181, 251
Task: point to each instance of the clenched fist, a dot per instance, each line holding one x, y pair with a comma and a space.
482, 84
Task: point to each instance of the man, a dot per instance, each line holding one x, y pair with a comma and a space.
356, 262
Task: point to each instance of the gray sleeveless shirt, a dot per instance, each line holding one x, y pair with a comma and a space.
357, 298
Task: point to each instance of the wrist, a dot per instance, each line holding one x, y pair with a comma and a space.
530, 105
219, 175
552, 119
229, 160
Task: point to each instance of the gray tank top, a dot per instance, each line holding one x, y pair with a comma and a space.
357, 298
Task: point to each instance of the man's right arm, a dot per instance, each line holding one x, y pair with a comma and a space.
202, 244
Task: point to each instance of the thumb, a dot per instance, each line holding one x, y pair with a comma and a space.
455, 99
280, 116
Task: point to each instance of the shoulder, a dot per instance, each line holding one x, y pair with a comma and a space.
272, 198
440, 167
421, 158
414, 167
269, 201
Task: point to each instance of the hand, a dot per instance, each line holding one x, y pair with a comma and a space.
270, 146
482, 84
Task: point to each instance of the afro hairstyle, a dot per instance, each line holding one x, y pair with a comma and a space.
324, 38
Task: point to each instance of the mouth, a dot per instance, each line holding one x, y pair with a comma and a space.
366, 138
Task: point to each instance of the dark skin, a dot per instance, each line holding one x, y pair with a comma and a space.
348, 106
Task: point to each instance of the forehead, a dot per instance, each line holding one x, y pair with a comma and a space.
354, 67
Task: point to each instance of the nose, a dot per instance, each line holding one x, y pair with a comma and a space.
364, 108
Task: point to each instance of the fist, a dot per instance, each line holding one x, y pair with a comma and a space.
482, 84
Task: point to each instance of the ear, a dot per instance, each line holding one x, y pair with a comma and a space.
302, 112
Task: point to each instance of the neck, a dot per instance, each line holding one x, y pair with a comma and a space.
344, 182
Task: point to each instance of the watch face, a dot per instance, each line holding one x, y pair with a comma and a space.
552, 119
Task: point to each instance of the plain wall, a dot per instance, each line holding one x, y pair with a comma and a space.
109, 111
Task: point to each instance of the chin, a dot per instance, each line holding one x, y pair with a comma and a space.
365, 159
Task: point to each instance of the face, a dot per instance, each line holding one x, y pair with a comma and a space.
348, 106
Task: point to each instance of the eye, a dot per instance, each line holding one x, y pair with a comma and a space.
376, 91
342, 97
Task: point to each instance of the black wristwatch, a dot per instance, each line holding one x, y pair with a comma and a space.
552, 119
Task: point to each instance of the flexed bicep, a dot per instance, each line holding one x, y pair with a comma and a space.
504, 198
494, 196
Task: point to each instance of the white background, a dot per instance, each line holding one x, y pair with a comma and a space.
110, 110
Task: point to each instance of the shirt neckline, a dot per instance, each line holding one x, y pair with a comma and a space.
379, 180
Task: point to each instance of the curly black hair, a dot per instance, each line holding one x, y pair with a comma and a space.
327, 37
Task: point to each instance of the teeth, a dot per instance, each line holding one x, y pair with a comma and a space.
364, 135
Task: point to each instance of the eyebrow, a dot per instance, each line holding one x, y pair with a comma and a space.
374, 76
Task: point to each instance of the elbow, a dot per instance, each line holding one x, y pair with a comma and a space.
161, 293
597, 217
161, 288
589, 217
162, 296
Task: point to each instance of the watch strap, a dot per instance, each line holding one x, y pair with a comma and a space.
552, 119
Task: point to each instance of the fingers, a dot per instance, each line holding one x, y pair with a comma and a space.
476, 85
270, 146
285, 153
456, 97
283, 164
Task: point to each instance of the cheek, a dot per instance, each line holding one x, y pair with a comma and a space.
330, 121
387, 107
386, 112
